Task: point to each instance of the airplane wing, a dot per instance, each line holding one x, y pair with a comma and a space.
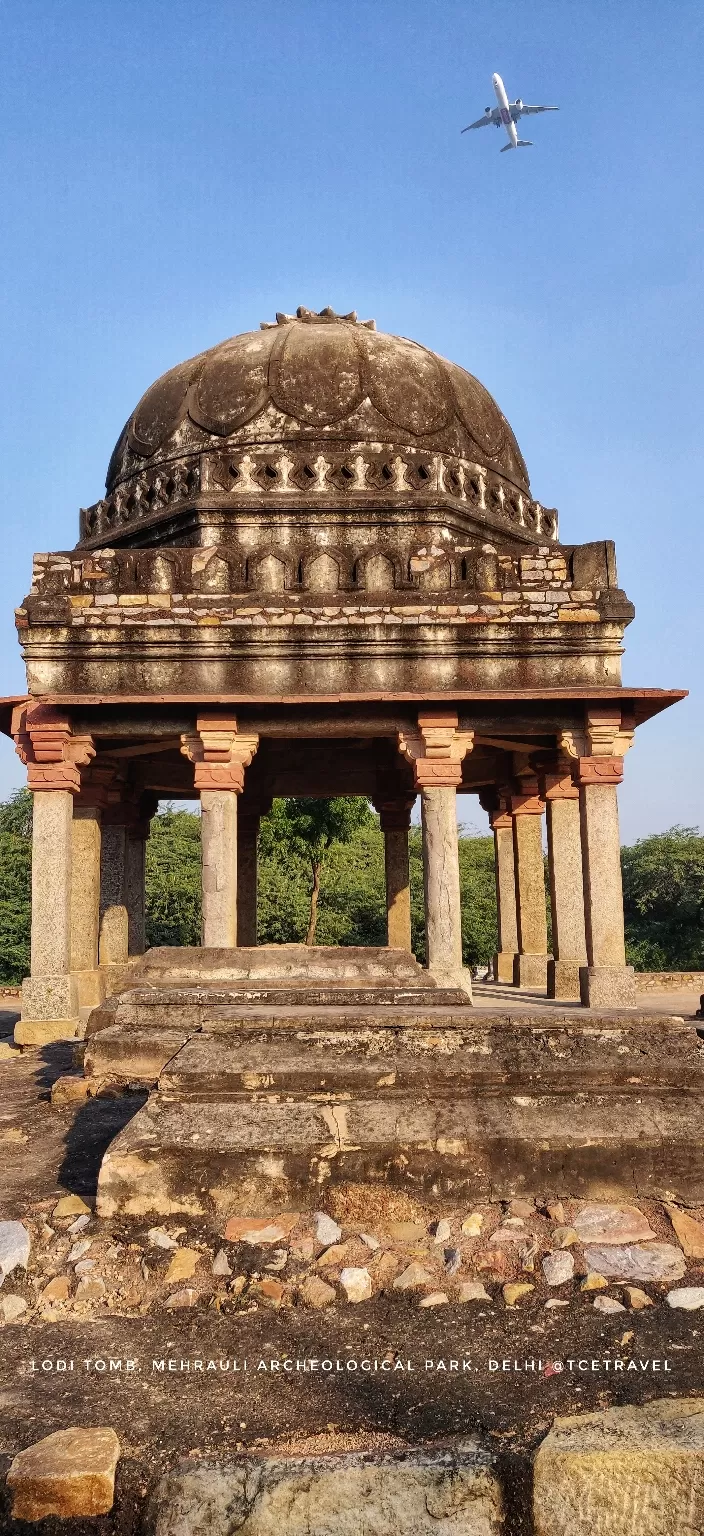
517, 112
487, 117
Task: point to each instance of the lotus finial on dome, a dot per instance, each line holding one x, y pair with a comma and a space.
313, 317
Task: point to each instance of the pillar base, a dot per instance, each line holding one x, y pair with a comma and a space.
90, 988
503, 965
44, 1031
49, 997
452, 980
563, 980
603, 986
531, 971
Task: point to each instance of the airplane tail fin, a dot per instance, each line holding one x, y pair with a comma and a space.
504, 147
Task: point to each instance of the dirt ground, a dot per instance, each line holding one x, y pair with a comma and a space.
514, 1369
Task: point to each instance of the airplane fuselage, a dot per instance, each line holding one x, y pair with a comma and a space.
506, 119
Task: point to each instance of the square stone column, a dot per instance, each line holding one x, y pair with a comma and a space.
606, 981
505, 874
85, 902
220, 753
247, 874
566, 886
436, 751
530, 968
395, 820
54, 758
114, 920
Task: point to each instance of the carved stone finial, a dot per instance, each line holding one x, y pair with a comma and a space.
316, 317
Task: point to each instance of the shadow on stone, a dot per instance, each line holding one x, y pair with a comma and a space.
93, 1127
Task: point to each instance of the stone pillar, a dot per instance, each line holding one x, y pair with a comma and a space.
135, 893
531, 963
247, 875
395, 820
436, 751
220, 753
54, 759
502, 828
85, 901
566, 886
605, 981
113, 945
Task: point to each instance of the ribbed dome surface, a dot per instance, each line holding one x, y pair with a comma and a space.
318, 378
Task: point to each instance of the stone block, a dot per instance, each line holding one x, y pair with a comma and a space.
531, 971
448, 1493
49, 997
503, 966
604, 986
70, 1473
44, 1031
624, 1472
563, 980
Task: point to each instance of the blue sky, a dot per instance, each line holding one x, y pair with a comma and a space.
175, 172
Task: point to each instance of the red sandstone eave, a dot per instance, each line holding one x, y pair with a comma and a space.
646, 702
7, 705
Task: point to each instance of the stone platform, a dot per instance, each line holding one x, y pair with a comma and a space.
262, 1096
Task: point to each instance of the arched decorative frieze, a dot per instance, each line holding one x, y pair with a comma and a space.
321, 573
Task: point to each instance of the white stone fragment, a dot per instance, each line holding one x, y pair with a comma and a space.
160, 1239
326, 1230
79, 1224
357, 1284
689, 1298
12, 1308
371, 1242
558, 1267
79, 1250
14, 1247
443, 1229
221, 1264
608, 1304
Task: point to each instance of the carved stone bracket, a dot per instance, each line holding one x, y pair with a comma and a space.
599, 770
219, 752
598, 751
53, 755
558, 786
436, 750
527, 802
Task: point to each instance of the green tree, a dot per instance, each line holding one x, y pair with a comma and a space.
309, 828
173, 888
15, 886
663, 891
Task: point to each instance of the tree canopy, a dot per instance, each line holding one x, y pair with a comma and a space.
663, 879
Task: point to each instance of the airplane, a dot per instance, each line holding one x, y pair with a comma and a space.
508, 114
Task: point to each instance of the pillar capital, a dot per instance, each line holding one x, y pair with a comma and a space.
394, 813
219, 752
558, 786
598, 770
45, 743
526, 800
606, 733
436, 749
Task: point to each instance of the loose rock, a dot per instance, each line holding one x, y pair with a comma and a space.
472, 1224
638, 1299
80, 1224
71, 1205
608, 1304
558, 1267
70, 1473
371, 1242
90, 1289
160, 1239
412, 1278
14, 1247
12, 1308
442, 1230
79, 1250
183, 1265
406, 1232
357, 1284
315, 1293
687, 1297
654, 1261
435, 1299
221, 1264
185, 1298
690, 1233
327, 1231
515, 1291
259, 1230
473, 1290
612, 1224
594, 1282
565, 1237
58, 1289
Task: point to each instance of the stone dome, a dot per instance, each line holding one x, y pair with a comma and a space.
320, 406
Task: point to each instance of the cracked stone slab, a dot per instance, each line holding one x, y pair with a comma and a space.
449, 1493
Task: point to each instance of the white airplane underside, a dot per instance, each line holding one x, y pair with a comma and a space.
506, 114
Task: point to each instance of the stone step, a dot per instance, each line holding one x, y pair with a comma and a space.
237, 1157
199, 1008
271, 964
342, 1057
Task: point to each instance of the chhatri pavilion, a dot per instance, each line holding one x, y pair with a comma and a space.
318, 569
